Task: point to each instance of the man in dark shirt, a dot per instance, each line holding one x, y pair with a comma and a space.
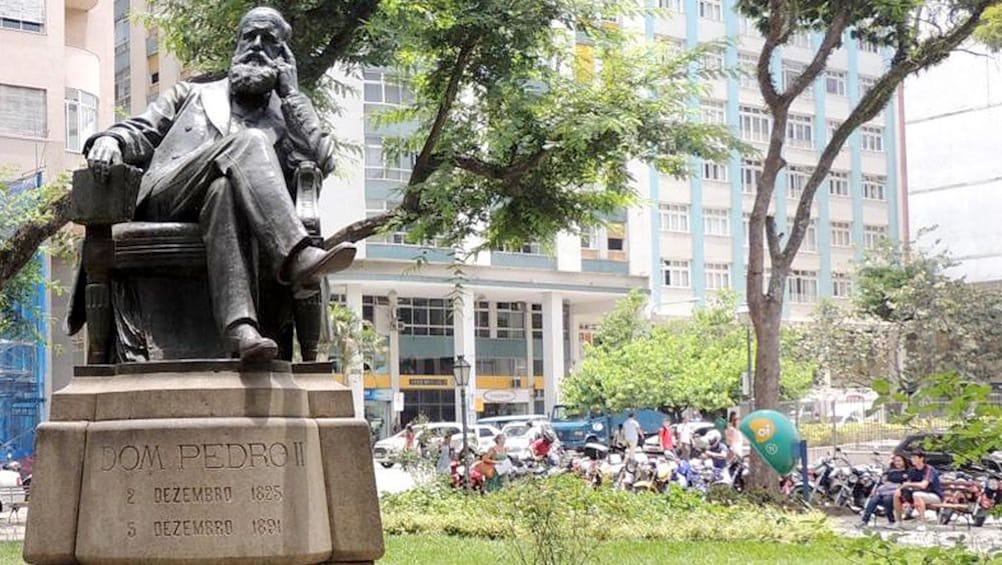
923, 484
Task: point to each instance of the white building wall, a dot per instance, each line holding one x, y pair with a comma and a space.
953, 117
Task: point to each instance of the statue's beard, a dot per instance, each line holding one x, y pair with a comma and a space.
252, 78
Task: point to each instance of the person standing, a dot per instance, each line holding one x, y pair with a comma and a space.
666, 436
409, 438
632, 434
494, 457
883, 495
685, 438
921, 489
735, 439
444, 464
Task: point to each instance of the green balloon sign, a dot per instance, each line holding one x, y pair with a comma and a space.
773, 437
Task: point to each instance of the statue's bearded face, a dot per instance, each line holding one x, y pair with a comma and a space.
253, 70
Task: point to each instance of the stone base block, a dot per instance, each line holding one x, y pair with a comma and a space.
279, 488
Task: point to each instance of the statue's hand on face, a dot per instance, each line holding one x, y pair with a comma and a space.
288, 76
104, 153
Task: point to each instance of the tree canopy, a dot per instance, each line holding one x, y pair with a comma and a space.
516, 133
910, 320
676, 364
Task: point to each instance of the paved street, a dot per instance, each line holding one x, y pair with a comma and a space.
984, 539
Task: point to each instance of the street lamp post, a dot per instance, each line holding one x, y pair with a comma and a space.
461, 370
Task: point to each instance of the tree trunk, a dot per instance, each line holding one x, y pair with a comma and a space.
766, 385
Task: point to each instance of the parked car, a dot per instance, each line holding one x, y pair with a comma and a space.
501, 421
480, 438
938, 456
519, 436
387, 451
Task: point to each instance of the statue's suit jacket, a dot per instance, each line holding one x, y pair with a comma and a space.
190, 117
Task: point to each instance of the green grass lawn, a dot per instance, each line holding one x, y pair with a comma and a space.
440, 549
445, 550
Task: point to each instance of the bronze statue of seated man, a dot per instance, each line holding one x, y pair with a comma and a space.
220, 154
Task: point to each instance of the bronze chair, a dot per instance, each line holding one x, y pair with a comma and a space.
126, 263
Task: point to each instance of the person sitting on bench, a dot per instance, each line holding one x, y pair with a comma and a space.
921, 489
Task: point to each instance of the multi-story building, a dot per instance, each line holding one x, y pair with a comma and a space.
953, 112
526, 312
55, 91
141, 63
523, 314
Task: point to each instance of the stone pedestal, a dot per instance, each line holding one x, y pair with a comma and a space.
203, 463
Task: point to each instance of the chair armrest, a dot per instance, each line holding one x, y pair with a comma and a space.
93, 202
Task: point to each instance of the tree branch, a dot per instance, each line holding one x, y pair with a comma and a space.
424, 165
482, 168
930, 51
831, 40
772, 41
339, 44
361, 229
19, 248
772, 238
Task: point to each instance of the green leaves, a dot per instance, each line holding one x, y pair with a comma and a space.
680, 363
525, 114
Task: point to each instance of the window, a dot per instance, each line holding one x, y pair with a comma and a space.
748, 65
675, 217
711, 10
841, 234
155, 77
537, 325
800, 130
803, 286
800, 39
380, 87
714, 112
751, 173
746, 226
835, 83
482, 319
796, 181
867, 46
380, 165
810, 242
511, 320
838, 183
714, 171
841, 285
425, 316
872, 138
526, 248
746, 26
713, 61
874, 187
791, 72
676, 273
676, 6
590, 239
716, 221
22, 111
81, 118
615, 237
718, 276
377, 208
23, 15
122, 33
755, 124
873, 235
866, 84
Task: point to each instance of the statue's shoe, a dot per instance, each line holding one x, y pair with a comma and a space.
310, 265
243, 340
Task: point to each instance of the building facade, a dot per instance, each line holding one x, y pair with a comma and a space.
56, 88
953, 112
524, 314
521, 316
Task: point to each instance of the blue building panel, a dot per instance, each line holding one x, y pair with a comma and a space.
605, 266
523, 260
